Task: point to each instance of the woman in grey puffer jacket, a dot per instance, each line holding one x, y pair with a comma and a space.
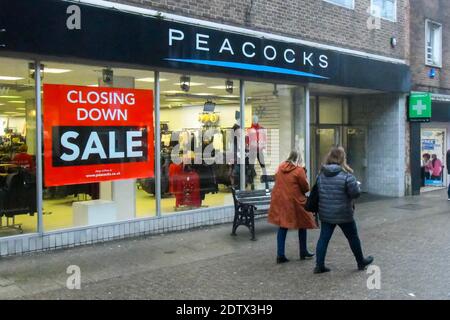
337, 190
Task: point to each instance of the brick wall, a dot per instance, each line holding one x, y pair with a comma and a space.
314, 20
438, 11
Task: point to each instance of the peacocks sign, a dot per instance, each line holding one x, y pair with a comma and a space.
76, 30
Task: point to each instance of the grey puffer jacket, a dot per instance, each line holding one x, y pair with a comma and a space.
337, 189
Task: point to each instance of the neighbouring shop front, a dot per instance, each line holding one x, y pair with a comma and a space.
430, 127
120, 122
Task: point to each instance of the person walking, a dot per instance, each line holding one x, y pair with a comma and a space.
436, 165
287, 205
427, 167
447, 162
337, 190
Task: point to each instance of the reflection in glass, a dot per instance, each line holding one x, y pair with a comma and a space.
17, 148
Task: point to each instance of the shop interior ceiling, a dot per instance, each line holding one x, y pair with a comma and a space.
17, 85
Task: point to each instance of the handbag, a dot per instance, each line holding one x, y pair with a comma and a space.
312, 203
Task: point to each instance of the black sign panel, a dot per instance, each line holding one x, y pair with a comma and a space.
84, 145
45, 27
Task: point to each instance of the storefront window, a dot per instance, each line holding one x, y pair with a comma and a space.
18, 209
277, 115
199, 116
117, 142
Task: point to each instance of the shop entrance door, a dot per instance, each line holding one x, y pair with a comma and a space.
356, 145
325, 137
434, 141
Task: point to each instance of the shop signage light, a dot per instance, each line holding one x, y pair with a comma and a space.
248, 50
419, 107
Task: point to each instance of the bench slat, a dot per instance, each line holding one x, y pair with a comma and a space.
244, 194
256, 203
254, 199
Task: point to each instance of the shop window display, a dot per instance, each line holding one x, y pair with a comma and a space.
82, 204
18, 210
277, 126
199, 118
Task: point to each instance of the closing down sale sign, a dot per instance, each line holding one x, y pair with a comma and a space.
97, 134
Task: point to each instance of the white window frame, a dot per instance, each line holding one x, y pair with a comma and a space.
352, 7
427, 31
381, 17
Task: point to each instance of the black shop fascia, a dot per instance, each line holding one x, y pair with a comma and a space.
76, 31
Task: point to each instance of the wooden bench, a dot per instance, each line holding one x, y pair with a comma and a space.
247, 206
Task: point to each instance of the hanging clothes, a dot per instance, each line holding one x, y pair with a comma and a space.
188, 186
256, 142
175, 171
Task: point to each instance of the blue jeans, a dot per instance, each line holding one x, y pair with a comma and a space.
281, 241
350, 232
448, 191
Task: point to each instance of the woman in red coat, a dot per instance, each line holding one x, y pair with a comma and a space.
287, 208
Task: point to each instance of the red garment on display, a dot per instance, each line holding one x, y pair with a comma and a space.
24, 160
188, 190
175, 170
256, 137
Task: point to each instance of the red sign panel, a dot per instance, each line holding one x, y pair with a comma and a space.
97, 134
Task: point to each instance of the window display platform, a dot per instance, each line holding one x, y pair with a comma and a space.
58, 213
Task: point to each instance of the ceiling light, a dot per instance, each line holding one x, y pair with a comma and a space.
92, 85
7, 78
192, 84
172, 91
10, 112
11, 97
202, 94
150, 80
20, 109
217, 87
175, 100
55, 70
17, 101
51, 70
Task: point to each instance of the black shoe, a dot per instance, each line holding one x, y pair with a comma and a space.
366, 261
323, 269
306, 256
282, 259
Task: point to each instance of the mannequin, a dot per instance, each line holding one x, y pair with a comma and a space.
257, 141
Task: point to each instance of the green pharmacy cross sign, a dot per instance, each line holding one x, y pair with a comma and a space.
420, 106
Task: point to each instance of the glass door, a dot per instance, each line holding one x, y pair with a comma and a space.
433, 147
356, 146
325, 137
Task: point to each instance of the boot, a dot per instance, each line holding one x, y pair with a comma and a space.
282, 259
365, 262
307, 255
322, 269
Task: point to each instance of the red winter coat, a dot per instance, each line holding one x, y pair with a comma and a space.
287, 207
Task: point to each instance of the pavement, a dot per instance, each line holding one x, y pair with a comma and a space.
409, 238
